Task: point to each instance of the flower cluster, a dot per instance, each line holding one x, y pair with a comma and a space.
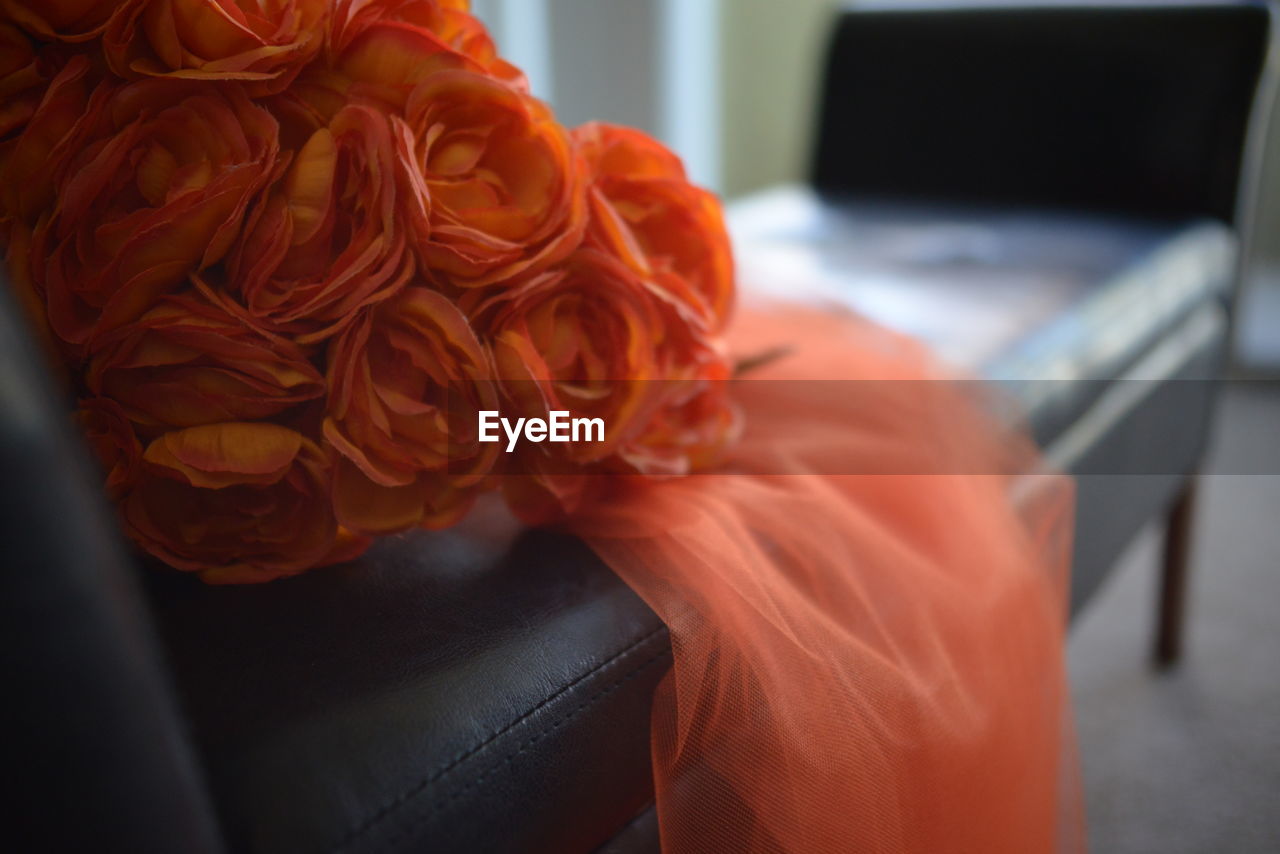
287, 251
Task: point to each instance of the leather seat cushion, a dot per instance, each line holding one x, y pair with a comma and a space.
450, 691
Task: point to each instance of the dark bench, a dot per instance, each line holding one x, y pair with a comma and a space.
1047, 195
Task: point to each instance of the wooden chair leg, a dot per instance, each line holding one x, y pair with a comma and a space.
1173, 577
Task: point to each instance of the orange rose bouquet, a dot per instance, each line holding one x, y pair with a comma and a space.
320, 271
292, 252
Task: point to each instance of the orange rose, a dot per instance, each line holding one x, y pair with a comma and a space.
27, 163
506, 188
154, 188
330, 236
45, 140
465, 34
644, 209
24, 77
407, 381
111, 437
597, 340
188, 362
22, 83
381, 49
63, 20
691, 431
262, 42
235, 502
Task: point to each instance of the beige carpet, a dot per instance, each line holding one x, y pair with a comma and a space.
1189, 760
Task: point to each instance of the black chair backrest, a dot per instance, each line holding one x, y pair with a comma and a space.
1117, 107
97, 755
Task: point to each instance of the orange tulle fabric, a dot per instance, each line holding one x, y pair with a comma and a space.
862, 662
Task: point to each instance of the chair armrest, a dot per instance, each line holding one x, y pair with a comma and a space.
1127, 107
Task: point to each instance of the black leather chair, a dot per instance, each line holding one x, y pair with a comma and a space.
1047, 195
1050, 194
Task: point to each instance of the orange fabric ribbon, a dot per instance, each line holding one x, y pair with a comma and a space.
862, 662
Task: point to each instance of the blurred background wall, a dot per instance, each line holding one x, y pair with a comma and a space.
731, 86
728, 83
771, 56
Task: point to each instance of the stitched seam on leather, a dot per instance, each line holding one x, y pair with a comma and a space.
382, 812
444, 803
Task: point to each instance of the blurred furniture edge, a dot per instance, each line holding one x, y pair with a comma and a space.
1010, 184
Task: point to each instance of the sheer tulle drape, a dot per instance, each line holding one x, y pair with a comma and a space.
862, 662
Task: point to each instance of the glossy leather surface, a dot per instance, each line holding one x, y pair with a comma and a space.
481, 689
